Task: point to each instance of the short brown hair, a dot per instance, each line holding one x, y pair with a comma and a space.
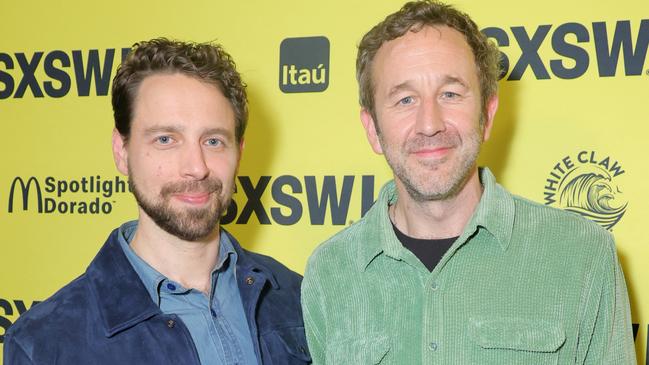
206, 62
412, 17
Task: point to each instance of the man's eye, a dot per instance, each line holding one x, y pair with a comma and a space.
450, 95
163, 139
213, 142
407, 100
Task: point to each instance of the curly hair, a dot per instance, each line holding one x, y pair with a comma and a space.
413, 16
206, 62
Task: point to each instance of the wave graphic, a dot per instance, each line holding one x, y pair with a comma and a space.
592, 196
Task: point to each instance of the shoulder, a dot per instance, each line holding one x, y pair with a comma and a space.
557, 218
357, 244
342, 243
560, 227
284, 276
344, 251
53, 318
256, 261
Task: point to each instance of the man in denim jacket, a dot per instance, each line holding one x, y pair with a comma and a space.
172, 287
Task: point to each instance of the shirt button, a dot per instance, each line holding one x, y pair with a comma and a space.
171, 287
171, 323
250, 280
432, 346
434, 285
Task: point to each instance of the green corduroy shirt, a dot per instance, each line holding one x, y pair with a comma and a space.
523, 284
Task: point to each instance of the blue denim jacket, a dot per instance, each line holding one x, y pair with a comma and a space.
106, 316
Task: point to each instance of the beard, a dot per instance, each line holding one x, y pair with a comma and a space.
439, 179
190, 224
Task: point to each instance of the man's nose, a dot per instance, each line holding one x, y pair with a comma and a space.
192, 163
430, 120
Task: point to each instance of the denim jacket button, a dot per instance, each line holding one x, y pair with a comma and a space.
250, 280
171, 323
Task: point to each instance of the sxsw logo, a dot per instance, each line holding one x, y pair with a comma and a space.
57, 73
304, 64
293, 198
575, 49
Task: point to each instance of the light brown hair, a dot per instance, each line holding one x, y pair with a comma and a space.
413, 16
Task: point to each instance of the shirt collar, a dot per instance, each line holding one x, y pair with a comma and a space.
250, 262
151, 278
377, 233
226, 253
495, 214
121, 298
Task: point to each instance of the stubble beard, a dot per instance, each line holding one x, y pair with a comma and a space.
435, 180
190, 224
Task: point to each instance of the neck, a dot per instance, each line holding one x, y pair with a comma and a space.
185, 262
437, 218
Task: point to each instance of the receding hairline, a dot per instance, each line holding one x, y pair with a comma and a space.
416, 28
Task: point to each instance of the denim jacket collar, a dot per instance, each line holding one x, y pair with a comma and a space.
246, 262
121, 298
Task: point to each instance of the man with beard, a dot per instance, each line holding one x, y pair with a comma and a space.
172, 287
448, 267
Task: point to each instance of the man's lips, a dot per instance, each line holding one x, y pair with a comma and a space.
193, 198
432, 151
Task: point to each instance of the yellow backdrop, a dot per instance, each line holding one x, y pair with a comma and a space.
573, 102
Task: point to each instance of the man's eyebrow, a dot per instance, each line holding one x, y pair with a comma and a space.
163, 128
218, 130
406, 85
449, 80
179, 128
399, 88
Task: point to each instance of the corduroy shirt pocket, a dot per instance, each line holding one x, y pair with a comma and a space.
291, 340
370, 350
515, 340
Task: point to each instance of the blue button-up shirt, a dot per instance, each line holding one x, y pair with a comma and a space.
217, 324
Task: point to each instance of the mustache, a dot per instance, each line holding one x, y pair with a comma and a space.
210, 185
440, 140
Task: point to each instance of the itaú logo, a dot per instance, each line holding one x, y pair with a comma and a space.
50, 197
304, 64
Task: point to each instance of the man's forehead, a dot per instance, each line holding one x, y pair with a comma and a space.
177, 98
428, 47
421, 40
161, 82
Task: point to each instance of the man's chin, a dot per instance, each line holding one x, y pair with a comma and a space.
431, 187
426, 195
196, 224
193, 234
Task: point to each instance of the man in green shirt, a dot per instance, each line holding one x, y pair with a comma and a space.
448, 267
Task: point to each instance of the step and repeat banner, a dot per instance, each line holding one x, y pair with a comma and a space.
570, 132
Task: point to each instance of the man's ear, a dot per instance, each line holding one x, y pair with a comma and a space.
492, 106
242, 145
370, 131
120, 154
